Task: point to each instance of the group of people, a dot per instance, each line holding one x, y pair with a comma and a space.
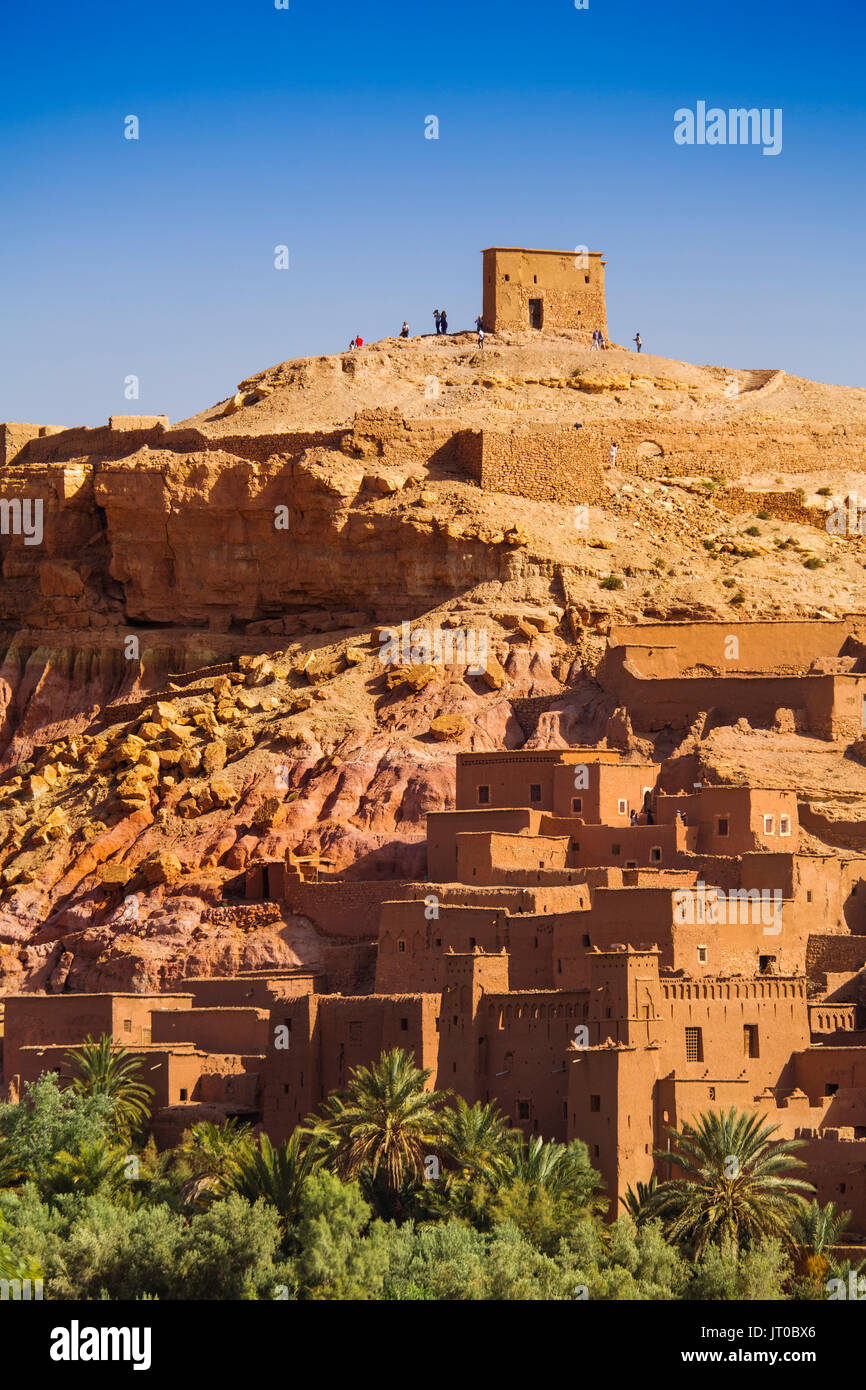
645, 815
597, 340
440, 318
356, 343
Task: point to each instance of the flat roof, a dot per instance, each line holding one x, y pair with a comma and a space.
539, 251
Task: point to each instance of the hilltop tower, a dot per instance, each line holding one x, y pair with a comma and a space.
543, 289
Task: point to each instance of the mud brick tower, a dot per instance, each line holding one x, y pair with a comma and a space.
543, 290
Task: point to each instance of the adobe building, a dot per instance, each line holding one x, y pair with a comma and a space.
603, 946
546, 290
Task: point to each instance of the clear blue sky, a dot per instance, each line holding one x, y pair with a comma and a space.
305, 127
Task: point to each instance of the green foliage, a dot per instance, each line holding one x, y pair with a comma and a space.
612, 581
46, 1122
736, 1187
101, 1069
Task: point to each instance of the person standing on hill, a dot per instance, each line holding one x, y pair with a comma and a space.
437, 319
443, 322
480, 336
594, 340
404, 331
637, 340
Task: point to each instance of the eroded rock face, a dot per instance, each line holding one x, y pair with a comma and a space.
194, 676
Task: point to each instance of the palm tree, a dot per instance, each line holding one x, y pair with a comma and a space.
213, 1153
816, 1229
277, 1175
736, 1184
11, 1172
562, 1170
101, 1069
97, 1167
636, 1201
384, 1127
474, 1137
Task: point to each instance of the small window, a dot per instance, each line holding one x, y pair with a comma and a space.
404, 1025
808, 895
622, 806
694, 1045
355, 1031
765, 964
508, 277
472, 943
401, 947
585, 941
631, 863
769, 825
842, 1187
535, 279
595, 1151
439, 941
285, 1090
184, 1093
711, 1094
615, 849
483, 796
722, 826
586, 279
831, 1088
784, 825
535, 791
523, 1110
595, 1103
655, 855
577, 804
750, 1040
702, 955
127, 1025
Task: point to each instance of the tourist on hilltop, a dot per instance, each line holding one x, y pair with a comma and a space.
352, 345
613, 449
404, 331
595, 342
480, 337
443, 322
479, 323
437, 319
637, 340
359, 342
634, 818
602, 344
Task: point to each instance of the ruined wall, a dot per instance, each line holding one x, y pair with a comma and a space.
555, 463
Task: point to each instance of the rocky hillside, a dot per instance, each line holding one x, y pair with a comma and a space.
192, 682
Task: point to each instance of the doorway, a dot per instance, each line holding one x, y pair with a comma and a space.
536, 318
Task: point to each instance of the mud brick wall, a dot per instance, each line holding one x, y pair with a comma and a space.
348, 909
559, 464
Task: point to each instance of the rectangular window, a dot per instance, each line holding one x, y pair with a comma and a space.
127, 1025
535, 791
483, 795
355, 1031
694, 1045
401, 947
702, 955
622, 806
722, 825
784, 825
184, 1093
577, 803
655, 855
750, 1040
404, 1025
595, 1103
615, 849
523, 1110
769, 825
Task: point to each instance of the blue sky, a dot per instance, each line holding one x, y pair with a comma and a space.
305, 127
